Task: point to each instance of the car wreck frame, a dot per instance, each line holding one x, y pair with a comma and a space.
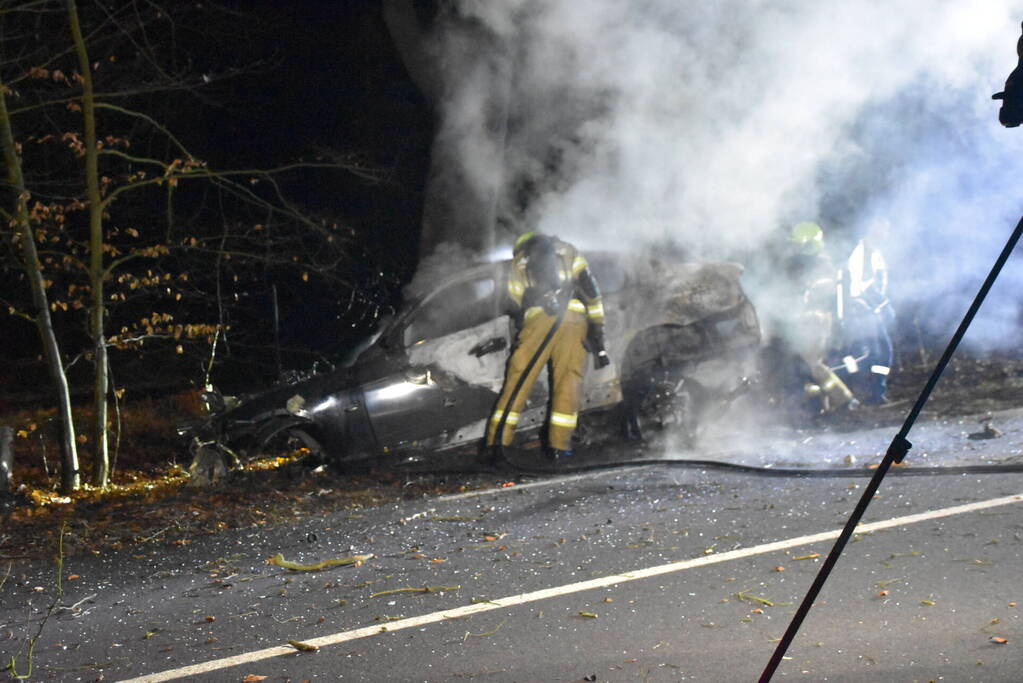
682, 338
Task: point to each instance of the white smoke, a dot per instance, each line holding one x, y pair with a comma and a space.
717, 125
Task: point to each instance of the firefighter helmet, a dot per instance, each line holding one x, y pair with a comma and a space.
808, 235
522, 241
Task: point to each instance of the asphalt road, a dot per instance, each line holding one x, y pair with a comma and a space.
647, 574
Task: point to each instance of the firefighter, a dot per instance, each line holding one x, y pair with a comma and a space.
558, 309
810, 269
867, 315
1011, 113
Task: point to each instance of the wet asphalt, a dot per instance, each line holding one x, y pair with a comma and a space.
934, 600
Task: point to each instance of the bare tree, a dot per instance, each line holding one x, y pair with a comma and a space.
19, 219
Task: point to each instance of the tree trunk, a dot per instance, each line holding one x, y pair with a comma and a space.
97, 311
69, 477
471, 97
6, 460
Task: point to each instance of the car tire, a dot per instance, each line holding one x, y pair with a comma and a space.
289, 440
663, 402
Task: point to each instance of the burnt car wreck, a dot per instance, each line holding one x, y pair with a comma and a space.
683, 339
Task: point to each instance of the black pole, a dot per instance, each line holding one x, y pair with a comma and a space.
896, 452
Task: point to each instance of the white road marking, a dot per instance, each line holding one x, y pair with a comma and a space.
557, 591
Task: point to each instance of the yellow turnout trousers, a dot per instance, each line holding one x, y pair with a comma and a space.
567, 357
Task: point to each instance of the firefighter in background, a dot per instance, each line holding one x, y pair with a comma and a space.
866, 315
1011, 113
558, 309
810, 269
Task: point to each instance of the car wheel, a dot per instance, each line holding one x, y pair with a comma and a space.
291, 442
663, 402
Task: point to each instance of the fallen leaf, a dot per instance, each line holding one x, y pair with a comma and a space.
253, 678
73, 577
928, 603
882, 594
757, 610
811, 556
209, 618
999, 640
438, 560
779, 568
588, 615
507, 484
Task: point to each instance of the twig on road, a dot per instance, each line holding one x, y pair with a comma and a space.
468, 635
424, 589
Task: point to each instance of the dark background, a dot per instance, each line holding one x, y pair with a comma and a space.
303, 81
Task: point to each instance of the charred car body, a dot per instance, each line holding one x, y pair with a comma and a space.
682, 338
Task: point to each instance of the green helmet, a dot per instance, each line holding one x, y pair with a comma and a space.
807, 235
521, 242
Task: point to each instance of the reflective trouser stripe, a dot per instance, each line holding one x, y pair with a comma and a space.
531, 311
595, 312
564, 420
568, 360
880, 369
512, 419
576, 306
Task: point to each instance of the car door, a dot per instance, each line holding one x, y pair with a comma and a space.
456, 342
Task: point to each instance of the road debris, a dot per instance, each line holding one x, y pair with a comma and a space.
424, 589
988, 432
811, 556
303, 647
356, 560
468, 635
749, 597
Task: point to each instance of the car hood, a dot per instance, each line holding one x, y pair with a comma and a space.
293, 396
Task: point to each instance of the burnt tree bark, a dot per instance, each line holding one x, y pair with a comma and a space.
465, 68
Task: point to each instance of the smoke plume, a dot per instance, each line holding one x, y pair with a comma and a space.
715, 126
